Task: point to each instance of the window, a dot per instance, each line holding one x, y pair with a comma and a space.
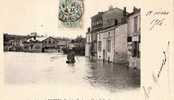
108, 45
99, 36
45, 42
49, 41
116, 22
109, 34
88, 38
136, 24
135, 50
129, 39
99, 45
97, 22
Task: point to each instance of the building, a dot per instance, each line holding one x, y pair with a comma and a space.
49, 44
14, 42
88, 44
78, 45
96, 27
112, 39
115, 36
107, 39
62, 43
33, 44
112, 44
133, 39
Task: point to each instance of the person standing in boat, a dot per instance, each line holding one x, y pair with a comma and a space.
71, 56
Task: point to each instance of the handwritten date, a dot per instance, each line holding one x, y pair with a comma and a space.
158, 18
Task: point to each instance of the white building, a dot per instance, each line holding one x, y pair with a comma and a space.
100, 46
121, 51
88, 43
112, 44
134, 38
112, 39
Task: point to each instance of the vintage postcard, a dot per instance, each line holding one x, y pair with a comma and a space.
87, 50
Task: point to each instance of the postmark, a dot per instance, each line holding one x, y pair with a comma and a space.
70, 13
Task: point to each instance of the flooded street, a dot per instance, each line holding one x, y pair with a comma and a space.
51, 68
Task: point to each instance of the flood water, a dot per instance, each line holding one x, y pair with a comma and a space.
51, 68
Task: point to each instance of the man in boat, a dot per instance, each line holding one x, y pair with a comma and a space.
71, 57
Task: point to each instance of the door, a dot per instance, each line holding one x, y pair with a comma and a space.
104, 55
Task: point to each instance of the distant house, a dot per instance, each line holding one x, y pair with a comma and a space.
78, 45
72, 45
14, 42
62, 43
34, 43
35, 46
49, 44
27, 46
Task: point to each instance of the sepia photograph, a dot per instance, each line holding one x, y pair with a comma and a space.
108, 56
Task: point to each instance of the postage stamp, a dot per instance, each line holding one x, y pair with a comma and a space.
70, 13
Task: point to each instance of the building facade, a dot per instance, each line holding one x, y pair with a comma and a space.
133, 39
115, 36
49, 44
112, 36
14, 42
96, 27
88, 44
62, 44
112, 44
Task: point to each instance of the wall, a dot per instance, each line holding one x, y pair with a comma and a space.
88, 45
107, 34
111, 15
99, 39
131, 24
121, 50
118, 51
37, 47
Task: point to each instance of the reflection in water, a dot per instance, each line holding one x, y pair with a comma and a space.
112, 76
52, 68
72, 68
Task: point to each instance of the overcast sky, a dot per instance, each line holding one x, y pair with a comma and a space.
26, 16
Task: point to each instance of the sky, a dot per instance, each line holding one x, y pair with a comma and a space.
21, 17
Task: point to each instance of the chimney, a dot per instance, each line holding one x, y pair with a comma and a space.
124, 11
135, 9
124, 19
100, 13
110, 7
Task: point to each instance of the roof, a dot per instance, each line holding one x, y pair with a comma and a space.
108, 11
62, 39
41, 38
48, 38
